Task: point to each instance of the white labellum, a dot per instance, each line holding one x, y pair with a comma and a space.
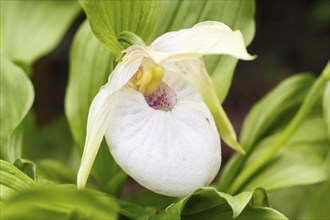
167, 141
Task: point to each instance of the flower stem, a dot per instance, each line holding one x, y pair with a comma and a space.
284, 137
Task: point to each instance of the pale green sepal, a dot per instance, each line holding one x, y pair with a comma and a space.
195, 72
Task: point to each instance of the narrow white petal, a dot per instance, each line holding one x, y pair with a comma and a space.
124, 71
202, 39
99, 113
170, 152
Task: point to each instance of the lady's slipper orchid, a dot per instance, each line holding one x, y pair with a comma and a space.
157, 126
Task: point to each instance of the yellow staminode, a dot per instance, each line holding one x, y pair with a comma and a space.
148, 78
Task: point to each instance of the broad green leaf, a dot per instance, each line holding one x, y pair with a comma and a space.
271, 112
303, 160
302, 202
208, 203
12, 180
109, 18
134, 211
306, 150
31, 29
59, 202
239, 15
90, 66
274, 108
16, 97
318, 208
149, 198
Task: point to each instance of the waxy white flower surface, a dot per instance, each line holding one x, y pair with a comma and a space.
157, 126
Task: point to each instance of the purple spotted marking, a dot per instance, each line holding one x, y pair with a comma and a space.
164, 98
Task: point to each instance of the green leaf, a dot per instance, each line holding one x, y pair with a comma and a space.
54, 171
12, 180
271, 112
326, 106
208, 203
108, 175
303, 202
318, 207
31, 29
56, 136
134, 211
109, 18
16, 99
90, 66
239, 15
275, 108
149, 198
27, 167
305, 151
61, 202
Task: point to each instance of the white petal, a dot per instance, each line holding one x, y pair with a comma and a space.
202, 39
124, 71
99, 113
172, 153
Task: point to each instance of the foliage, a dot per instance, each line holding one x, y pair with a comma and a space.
285, 135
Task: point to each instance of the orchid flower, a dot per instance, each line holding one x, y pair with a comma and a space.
151, 112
